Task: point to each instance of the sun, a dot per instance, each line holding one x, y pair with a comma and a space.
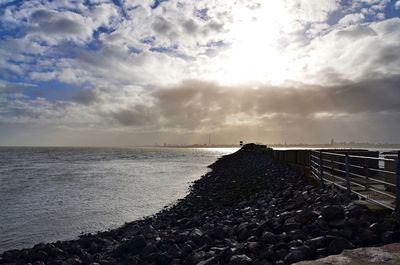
254, 54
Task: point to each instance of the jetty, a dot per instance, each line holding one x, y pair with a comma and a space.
256, 206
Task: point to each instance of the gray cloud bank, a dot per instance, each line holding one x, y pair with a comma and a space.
363, 111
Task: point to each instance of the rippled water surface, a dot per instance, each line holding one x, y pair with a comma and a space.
49, 194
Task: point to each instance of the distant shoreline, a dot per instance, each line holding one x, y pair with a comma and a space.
300, 145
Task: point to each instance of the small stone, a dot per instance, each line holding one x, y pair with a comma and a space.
390, 237
369, 237
317, 242
159, 258
268, 238
294, 256
240, 260
332, 212
338, 244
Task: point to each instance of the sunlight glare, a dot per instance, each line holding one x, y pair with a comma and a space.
254, 54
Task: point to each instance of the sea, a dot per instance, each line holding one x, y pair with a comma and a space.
58, 193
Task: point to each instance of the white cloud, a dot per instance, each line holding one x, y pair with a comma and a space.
352, 19
397, 4
140, 50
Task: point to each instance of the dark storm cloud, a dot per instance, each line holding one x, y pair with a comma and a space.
198, 104
86, 97
138, 115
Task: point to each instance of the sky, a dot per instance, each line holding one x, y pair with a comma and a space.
137, 72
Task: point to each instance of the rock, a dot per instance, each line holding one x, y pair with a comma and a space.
294, 256
187, 248
174, 251
369, 237
137, 242
196, 234
356, 210
253, 247
291, 226
134, 245
390, 237
217, 232
304, 217
268, 238
331, 212
159, 258
281, 253
240, 260
388, 254
338, 244
317, 242
207, 261
226, 254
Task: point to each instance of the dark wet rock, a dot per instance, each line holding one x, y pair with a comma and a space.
240, 260
332, 212
159, 258
356, 209
338, 244
390, 237
207, 261
281, 253
291, 226
226, 255
368, 237
175, 251
268, 238
134, 245
294, 256
317, 242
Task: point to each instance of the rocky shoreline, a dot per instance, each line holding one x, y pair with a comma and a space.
250, 209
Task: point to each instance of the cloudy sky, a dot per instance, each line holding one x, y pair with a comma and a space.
136, 72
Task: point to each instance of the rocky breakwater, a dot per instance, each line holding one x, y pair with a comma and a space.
250, 209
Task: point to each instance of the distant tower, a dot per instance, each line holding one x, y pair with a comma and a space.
209, 140
332, 142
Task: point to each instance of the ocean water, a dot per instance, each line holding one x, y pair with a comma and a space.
50, 194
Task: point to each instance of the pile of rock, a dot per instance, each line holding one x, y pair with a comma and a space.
250, 209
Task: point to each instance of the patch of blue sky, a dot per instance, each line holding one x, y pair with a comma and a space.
5, 3
134, 50
391, 10
156, 3
161, 49
10, 29
216, 43
94, 44
11, 32
118, 2
170, 49
148, 40
54, 90
202, 13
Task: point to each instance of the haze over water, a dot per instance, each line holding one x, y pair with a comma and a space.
49, 194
